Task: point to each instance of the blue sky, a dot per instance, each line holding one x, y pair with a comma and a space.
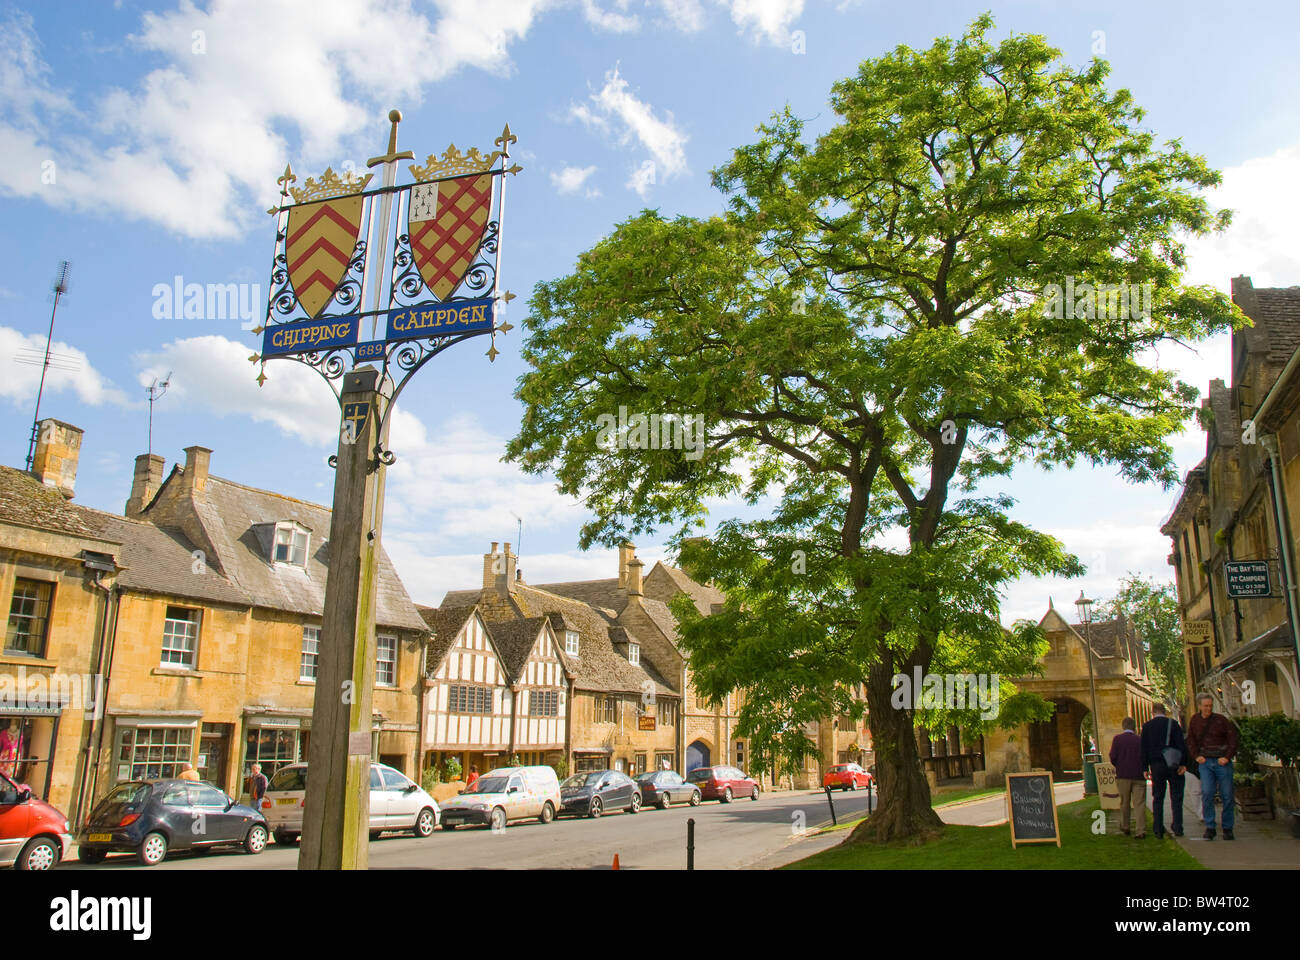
142, 142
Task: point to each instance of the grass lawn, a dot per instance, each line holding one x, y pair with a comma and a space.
989, 848
965, 793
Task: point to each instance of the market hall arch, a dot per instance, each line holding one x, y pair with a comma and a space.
698, 754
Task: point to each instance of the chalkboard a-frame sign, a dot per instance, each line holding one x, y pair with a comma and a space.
1031, 808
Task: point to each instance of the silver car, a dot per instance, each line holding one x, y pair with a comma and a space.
396, 803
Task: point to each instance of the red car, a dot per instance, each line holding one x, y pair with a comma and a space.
723, 783
33, 835
846, 776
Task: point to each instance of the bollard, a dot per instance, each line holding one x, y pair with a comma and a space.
690, 844
831, 803
870, 787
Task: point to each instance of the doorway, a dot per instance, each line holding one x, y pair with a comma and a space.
214, 749
697, 755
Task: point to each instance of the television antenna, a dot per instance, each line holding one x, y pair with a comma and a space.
519, 541
155, 391
60, 288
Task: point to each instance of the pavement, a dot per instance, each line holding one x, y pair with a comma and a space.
1259, 844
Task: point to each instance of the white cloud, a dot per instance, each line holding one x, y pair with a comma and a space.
198, 139
615, 109
214, 374
766, 19
571, 179
609, 19
686, 15
22, 356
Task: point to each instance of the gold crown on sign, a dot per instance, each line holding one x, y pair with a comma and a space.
330, 185
453, 163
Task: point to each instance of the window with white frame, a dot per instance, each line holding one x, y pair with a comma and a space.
571, 642
310, 653
180, 637
153, 753
634, 653
386, 661
291, 541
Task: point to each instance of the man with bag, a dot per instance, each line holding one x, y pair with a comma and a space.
1164, 754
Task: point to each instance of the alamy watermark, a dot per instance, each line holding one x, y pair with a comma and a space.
947, 691
1102, 301
54, 691
179, 300
653, 431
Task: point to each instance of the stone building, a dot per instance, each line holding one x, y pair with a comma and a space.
1123, 689
1237, 505
200, 610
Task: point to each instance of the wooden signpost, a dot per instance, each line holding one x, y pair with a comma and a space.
1031, 808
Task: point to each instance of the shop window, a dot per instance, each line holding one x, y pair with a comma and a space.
153, 753
29, 617
180, 638
273, 748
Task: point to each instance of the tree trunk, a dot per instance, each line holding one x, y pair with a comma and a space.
904, 810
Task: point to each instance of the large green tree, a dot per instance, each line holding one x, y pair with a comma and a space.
1152, 607
864, 336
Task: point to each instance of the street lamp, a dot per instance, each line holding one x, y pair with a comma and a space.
1085, 617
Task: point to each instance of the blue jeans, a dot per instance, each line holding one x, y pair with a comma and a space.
1214, 774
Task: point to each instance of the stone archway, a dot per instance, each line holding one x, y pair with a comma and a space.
698, 754
1056, 744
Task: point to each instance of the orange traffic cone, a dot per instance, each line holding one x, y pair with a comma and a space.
615, 866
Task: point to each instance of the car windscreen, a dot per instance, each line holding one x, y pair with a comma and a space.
489, 785
289, 778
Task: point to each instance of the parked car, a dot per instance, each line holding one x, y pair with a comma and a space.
503, 795
664, 787
396, 803
153, 818
723, 783
33, 834
846, 776
592, 793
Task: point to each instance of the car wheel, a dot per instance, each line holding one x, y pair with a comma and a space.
374, 834
39, 854
595, 809
853, 784
255, 841
726, 795
548, 813
664, 801
636, 804
499, 818
425, 823
695, 798
754, 794
91, 856
153, 849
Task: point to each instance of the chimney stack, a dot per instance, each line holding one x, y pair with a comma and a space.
510, 561
58, 447
492, 568
144, 486
626, 552
196, 468
634, 577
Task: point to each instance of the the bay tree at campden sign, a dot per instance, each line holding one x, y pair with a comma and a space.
1248, 578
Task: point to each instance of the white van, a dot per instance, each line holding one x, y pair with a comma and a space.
505, 794
396, 803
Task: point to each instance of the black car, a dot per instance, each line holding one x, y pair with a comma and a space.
149, 818
591, 794
663, 787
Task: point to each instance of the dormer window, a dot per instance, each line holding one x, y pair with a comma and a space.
571, 642
291, 541
634, 653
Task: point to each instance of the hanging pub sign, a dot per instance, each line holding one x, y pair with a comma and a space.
1247, 578
388, 274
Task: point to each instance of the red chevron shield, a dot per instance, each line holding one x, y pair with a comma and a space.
447, 221
320, 242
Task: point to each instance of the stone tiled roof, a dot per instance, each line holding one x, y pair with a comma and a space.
706, 598
445, 622
25, 500
607, 597
232, 513
514, 641
1276, 313
1114, 638
598, 665
158, 560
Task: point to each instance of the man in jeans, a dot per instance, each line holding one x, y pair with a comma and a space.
1159, 734
1126, 754
1212, 742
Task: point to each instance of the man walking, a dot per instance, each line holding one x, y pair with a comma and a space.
1164, 753
1126, 755
257, 784
1212, 743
